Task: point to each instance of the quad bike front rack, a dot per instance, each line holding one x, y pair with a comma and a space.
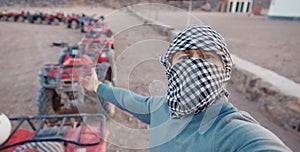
39, 123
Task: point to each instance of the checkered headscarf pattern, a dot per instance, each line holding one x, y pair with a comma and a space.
194, 83
199, 37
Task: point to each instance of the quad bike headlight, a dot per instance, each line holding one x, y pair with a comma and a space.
103, 55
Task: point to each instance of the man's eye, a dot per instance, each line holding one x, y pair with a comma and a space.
208, 57
183, 57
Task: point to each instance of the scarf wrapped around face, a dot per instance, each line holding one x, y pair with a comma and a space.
195, 83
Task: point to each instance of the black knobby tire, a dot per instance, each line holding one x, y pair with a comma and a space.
105, 107
48, 102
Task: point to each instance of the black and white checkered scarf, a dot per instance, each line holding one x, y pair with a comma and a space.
195, 83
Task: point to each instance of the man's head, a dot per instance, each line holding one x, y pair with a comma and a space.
202, 38
197, 64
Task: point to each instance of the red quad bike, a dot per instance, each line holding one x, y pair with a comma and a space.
89, 22
15, 16
36, 17
61, 92
85, 23
74, 133
53, 18
100, 26
102, 56
72, 21
102, 37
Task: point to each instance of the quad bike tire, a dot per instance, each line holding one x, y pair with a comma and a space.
74, 25
47, 21
55, 21
68, 24
4, 18
39, 20
12, 19
105, 107
48, 103
30, 19
21, 19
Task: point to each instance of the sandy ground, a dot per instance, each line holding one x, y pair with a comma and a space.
25, 48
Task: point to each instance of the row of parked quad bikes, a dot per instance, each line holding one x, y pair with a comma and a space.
61, 101
74, 21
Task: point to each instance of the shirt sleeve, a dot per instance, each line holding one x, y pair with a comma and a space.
137, 105
240, 132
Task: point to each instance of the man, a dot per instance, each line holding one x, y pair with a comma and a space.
195, 115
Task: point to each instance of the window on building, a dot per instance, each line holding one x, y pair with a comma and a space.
230, 6
248, 7
237, 6
242, 7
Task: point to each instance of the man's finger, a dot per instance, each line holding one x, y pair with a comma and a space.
94, 74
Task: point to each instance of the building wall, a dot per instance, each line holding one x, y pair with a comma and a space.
284, 8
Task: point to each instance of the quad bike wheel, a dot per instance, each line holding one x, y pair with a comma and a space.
48, 103
21, 19
47, 21
4, 18
30, 19
74, 25
105, 107
55, 21
39, 20
12, 19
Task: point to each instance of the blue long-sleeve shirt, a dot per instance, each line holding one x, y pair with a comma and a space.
221, 127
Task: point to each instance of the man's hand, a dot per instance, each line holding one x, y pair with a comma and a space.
90, 82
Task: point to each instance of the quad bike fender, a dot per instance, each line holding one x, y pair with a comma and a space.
44, 78
19, 136
102, 70
52, 81
87, 136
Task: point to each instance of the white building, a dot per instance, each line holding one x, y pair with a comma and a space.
284, 9
239, 6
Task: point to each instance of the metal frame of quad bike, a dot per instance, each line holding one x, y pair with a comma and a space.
42, 122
